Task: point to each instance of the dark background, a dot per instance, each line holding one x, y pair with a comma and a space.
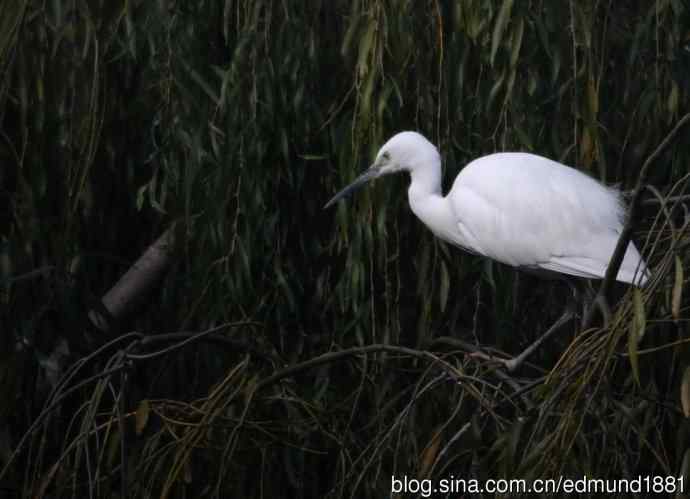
289, 351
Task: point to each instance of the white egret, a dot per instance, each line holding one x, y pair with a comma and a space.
520, 209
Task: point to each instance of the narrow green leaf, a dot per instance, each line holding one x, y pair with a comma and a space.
510, 84
531, 82
636, 332
201, 81
640, 316
313, 157
365, 46
383, 100
496, 87
592, 98
677, 292
499, 27
673, 99
445, 286
350, 35
141, 192
489, 273
517, 42
685, 392
632, 353
142, 416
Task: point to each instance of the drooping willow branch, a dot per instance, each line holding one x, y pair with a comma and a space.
633, 213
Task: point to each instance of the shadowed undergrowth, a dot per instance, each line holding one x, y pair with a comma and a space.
288, 351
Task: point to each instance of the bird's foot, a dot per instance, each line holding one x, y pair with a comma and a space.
600, 302
510, 364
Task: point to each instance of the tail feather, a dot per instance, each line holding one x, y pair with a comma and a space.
633, 270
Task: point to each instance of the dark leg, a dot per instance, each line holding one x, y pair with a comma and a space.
515, 362
591, 300
568, 314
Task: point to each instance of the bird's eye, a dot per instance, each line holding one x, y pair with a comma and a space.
386, 155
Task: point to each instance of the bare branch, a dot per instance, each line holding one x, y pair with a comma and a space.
136, 282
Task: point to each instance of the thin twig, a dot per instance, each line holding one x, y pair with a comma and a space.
351, 352
670, 199
186, 339
505, 377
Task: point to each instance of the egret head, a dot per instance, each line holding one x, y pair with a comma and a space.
405, 151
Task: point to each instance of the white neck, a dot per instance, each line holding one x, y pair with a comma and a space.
427, 201
425, 180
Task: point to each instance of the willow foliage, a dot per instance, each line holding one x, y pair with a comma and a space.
292, 351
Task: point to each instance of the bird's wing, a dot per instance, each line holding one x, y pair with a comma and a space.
632, 270
528, 211
580, 267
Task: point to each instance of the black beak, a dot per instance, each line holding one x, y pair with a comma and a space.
371, 173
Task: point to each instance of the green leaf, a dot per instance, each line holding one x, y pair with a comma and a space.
142, 416
685, 392
313, 157
365, 46
445, 286
673, 99
517, 42
636, 332
677, 293
500, 26
640, 315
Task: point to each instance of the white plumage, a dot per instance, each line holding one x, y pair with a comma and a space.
517, 208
